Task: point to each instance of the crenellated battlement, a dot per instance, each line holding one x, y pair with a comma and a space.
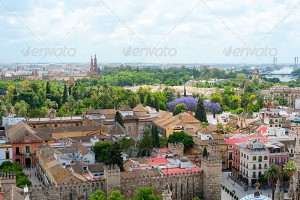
176, 148
4, 175
112, 169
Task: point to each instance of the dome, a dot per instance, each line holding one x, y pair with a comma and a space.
184, 159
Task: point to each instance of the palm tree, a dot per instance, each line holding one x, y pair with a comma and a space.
273, 173
290, 168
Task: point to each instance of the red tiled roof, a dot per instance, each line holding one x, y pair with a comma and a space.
157, 161
165, 150
262, 129
238, 140
180, 170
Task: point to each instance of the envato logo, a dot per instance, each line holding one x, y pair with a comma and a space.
162, 51
259, 52
54, 51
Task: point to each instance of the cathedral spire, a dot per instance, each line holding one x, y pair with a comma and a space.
91, 61
95, 62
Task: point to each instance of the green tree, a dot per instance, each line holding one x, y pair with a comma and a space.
98, 195
200, 113
48, 89
155, 137
115, 155
146, 144
196, 198
205, 153
216, 98
101, 151
290, 168
65, 94
179, 108
115, 195
182, 137
146, 193
126, 143
119, 119
23, 181
273, 173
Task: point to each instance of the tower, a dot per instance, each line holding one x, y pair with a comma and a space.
176, 148
112, 177
95, 68
212, 170
92, 64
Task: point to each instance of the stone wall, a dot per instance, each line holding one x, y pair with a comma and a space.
71, 191
7, 180
212, 171
183, 186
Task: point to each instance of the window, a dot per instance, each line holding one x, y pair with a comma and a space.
7, 155
27, 149
254, 157
17, 150
266, 158
254, 166
259, 158
272, 160
129, 128
265, 166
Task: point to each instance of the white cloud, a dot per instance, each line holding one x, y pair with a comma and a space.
206, 29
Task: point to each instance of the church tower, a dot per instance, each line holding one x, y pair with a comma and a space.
95, 64
92, 64
94, 68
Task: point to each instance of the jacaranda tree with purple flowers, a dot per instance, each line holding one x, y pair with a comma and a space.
190, 103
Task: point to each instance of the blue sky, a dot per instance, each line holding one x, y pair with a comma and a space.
196, 31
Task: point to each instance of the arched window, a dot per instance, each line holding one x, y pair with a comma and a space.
254, 157
266, 158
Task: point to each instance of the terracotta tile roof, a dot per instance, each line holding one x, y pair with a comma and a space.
125, 108
76, 147
139, 108
68, 129
180, 170
140, 114
246, 115
78, 166
13, 193
158, 161
97, 167
139, 173
240, 140
19, 131
116, 129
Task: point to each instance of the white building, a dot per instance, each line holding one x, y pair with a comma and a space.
11, 120
5, 149
254, 160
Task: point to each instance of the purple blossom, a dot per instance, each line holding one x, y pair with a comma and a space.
190, 103
212, 107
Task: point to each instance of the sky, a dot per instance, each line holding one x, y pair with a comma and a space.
157, 31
